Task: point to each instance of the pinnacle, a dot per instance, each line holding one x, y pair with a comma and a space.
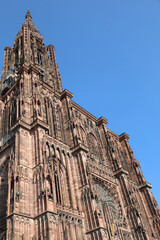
28, 17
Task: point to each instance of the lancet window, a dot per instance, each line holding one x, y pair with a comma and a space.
39, 108
14, 111
57, 186
63, 159
52, 151
49, 187
47, 150
58, 154
12, 190
61, 124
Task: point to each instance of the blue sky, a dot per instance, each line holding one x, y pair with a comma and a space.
108, 52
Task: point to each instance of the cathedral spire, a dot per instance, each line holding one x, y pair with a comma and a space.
29, 50
28, 17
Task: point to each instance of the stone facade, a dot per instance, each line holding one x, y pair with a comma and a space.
63, 173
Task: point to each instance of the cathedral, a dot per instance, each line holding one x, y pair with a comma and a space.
63, 174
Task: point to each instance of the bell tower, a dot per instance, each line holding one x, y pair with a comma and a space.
29, 85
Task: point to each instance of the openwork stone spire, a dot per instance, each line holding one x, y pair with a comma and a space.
28, 17
29, 50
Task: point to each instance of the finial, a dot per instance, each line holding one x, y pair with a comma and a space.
28, 17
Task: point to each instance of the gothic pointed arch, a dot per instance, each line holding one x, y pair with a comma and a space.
93, 146
52, 151
83, 135
58, 154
